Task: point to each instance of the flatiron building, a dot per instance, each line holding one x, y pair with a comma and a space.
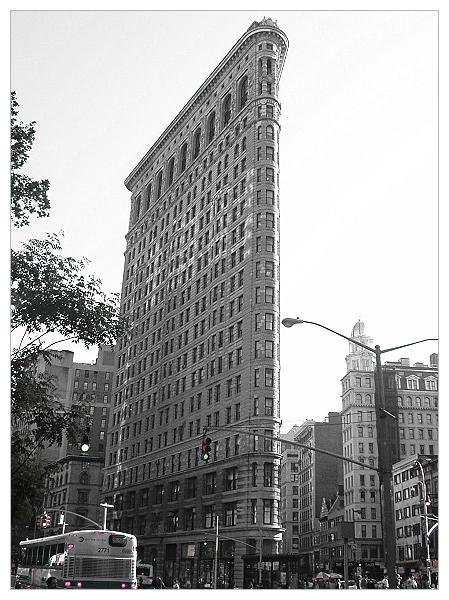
201, 295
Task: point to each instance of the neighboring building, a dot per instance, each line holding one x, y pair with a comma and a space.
201, 290
317, 477
361, 486
75, 483
411, 396
408, 494
415, 389
290, 500
331, 545
289, 492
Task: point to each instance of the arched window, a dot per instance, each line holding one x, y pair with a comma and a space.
211, 127
137, 208
270, 132
84, 478
159, 184
196, 142
226, 109
148, 198
259, 132
269, 66
171, 171
183, 158
243, 92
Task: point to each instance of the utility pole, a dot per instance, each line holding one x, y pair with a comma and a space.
426, 525
216, 555
385, 461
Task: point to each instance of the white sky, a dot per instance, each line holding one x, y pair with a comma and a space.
359, 160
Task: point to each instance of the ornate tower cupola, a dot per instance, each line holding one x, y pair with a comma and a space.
358, 358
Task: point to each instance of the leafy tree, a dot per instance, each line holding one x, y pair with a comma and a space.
52, 299
27, 196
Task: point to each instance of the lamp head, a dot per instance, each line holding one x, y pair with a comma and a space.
289, 322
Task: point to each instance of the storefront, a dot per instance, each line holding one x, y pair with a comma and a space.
356, 569
277, 571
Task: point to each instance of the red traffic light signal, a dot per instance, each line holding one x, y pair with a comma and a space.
206, 449
47, 521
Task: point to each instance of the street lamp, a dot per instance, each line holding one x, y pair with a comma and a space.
105, 505
426, 522
388, 524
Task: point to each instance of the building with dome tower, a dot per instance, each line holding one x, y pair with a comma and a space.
411, 397
362, 500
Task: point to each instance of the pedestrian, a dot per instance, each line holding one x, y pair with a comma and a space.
384, 583
176, 585
158, 584
51, 583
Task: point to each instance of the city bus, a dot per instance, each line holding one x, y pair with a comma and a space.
79, 559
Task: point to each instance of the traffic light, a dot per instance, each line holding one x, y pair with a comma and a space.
47, 520
85, 441
205, 449
40, 519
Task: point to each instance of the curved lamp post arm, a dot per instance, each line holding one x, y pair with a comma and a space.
290, 322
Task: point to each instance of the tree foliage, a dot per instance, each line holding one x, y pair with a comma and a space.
27, 196
51, 296
51, 293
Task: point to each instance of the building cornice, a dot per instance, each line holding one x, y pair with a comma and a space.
228, 61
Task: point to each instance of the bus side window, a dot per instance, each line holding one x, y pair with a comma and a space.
46, 558
40, 555
52, 549
34, 555
60, 549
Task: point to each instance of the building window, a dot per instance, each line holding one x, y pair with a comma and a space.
159, 184
253, 511
196, 142
268, 512
226, 110
230, 514
231, 479
183, 158
83, 496
254, 474
268, 474
210, 484
209, 516
243, 92
189, 518
211, 127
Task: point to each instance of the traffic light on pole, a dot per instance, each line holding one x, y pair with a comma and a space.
206, 449
47, 521
85, 441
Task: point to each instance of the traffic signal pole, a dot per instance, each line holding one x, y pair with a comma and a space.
216, 555
290, 444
